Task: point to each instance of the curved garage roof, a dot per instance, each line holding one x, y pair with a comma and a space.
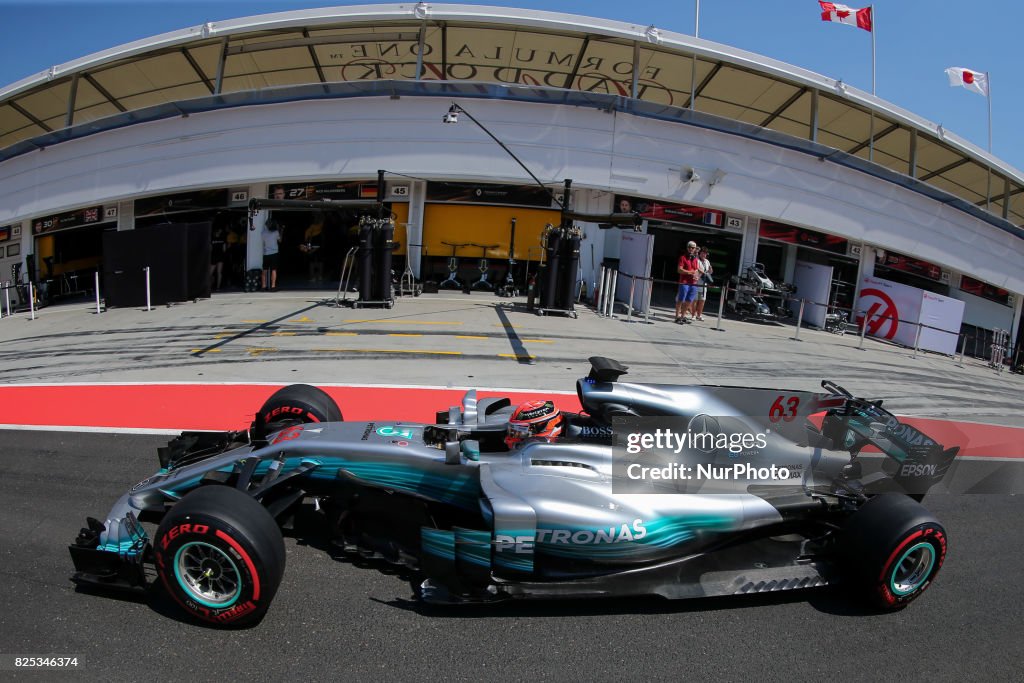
513, 46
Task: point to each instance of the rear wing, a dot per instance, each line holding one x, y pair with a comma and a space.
856, 423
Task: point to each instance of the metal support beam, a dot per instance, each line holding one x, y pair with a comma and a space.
703, 84
947, 167
69, 118
783, 107
988, 189
320, 40
314, 58
218, 85
444, 52
420, 40
912, 170
571, 76
28, 115
103, 91
894, 127
814, 116
195, 67
636, 71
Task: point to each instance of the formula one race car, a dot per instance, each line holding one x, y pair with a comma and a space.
753, 295
496, 502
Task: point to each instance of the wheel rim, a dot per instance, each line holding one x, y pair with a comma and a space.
913, 569
207, 574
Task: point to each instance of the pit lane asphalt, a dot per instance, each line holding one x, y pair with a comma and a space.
344, 621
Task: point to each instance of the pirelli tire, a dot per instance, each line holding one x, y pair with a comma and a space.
894, 548
292, 405
220, 556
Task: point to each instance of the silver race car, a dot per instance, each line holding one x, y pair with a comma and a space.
652, 489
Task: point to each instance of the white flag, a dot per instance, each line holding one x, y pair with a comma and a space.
975, 81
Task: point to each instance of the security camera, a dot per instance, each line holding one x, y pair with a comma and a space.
690, 175
452, 115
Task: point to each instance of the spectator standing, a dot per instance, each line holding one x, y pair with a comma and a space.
705, 281
271, 245
689, 275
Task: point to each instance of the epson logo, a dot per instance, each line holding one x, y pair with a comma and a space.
917, 470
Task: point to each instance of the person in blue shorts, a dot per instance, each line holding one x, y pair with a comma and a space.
689, 274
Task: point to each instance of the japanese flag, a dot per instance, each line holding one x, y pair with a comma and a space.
851, 16
975, 81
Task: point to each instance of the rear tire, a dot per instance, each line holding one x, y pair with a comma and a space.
293, 405
895, 548
220, 555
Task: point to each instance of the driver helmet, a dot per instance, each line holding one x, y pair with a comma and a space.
534, 418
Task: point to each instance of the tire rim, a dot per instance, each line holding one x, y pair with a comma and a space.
913, 569
207, 574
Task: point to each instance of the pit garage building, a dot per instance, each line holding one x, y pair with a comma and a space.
760, 160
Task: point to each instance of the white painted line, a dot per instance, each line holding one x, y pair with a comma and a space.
96, 430
530, 390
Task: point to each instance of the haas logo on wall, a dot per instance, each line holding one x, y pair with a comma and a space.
910, 316
881, 311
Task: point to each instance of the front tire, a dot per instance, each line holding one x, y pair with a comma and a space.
220, 555
292, 405
895, 548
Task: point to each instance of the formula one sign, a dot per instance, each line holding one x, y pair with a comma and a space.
517, 56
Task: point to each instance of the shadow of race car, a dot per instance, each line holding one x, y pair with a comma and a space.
834, 498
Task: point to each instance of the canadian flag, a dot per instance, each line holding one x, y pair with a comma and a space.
975, 81
831, 11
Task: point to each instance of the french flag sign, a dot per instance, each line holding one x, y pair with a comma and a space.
713, 218
841, 14
975, 81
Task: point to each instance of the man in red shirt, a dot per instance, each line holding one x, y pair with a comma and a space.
688, 275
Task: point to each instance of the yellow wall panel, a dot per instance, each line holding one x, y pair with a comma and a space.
461, 224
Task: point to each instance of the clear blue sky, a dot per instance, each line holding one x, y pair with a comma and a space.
916, 41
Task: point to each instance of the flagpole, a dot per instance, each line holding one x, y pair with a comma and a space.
696, 20
874, 25
988, 95
871, 130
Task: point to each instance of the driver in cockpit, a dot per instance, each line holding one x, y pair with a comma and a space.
541, 418
534, 419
